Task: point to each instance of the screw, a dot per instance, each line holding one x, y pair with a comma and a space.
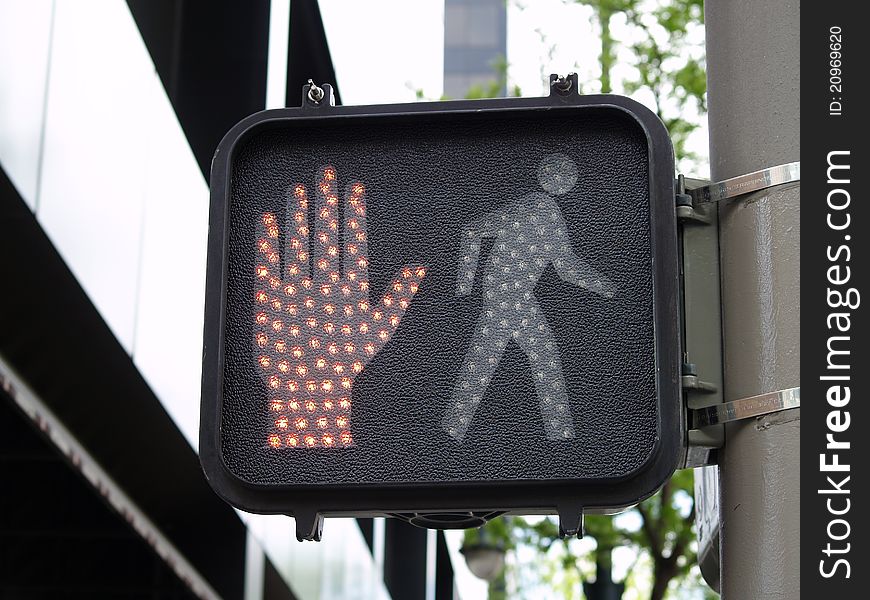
563, 83
315, 92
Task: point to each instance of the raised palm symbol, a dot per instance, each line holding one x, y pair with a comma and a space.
315, 328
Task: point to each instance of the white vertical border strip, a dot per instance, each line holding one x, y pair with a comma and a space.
279, 45
90, 469
379, 544
255, 566
431, 562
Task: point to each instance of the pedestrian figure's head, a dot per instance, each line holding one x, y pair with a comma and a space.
557, 174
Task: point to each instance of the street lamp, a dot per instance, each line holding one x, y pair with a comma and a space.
484, 558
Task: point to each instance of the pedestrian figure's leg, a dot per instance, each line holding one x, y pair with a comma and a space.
474, 377
537, 341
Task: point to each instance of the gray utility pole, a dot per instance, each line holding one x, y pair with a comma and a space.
753, 76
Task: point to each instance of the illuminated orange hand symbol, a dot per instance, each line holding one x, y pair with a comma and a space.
315, 328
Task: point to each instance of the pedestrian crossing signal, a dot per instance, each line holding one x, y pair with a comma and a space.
442, 312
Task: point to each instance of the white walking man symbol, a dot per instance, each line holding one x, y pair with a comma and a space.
530, 234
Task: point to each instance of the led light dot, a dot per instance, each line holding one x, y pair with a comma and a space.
328, 405
338, 368
294, 330
332, 348
323, 422
327, 385
311, 386
284, 366
301, 423
320, 363
293, 404
262, 272
341, 422
274, 441
310, 441
346, 438
276, 406
293, 386
357, 366
282, 423
262, 340
277, 324
314, 343
349, 348
261, 297
344, 403
292, 441
328, 440
301, 370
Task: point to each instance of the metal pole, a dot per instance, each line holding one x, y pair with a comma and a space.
753, 60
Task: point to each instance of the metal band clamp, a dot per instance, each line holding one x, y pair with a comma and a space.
746, 184
746, 408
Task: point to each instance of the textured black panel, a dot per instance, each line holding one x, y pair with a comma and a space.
427, 179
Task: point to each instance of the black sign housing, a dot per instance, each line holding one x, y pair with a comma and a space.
522, 256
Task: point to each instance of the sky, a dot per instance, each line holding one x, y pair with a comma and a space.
385, 50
